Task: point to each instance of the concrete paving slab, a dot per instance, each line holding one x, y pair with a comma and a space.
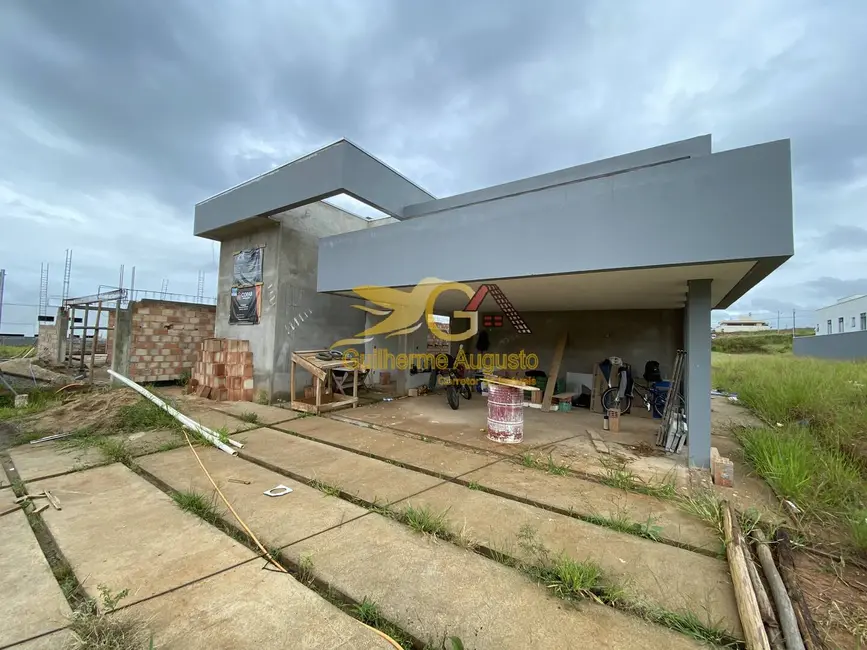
34, 462
651, 572
265, 413
428, 588
508, 478
367, 478
430, 415
118, 530
32, 602
569, 493
48, 642
247, 607
275, 520
660, 573
213, 419
430, 456
433, 588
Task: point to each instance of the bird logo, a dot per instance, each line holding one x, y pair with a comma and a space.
406, 311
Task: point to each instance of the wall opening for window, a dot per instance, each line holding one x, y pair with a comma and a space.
840, 325
829, 327
863, 320
853, 322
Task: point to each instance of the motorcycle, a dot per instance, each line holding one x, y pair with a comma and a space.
455, 380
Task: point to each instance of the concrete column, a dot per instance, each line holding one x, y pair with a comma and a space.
121, 343
61, 321
401, 376
697, 339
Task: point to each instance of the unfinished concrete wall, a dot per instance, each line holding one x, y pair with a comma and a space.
305, 319
261, 335
156, 340
636, 336
46, 344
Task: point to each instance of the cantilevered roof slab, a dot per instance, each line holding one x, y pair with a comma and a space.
339, 168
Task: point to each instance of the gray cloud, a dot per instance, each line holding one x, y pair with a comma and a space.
121, 115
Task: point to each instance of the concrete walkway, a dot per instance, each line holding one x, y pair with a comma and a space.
31, 603
118, 530
654, 572
429, 588
565, 493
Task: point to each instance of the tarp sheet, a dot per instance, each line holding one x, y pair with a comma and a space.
248, 267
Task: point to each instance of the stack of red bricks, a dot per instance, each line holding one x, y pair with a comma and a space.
224, 370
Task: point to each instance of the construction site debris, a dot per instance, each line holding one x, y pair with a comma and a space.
224, 370
187, 422
27, 369
278, 491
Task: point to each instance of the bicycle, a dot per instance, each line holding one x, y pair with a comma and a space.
654, 400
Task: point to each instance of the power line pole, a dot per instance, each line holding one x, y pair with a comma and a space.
2, 282
793, 323
778, 320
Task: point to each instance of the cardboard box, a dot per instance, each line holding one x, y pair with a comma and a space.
614, 420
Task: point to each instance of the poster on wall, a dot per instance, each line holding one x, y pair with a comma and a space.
245, 305
247, 267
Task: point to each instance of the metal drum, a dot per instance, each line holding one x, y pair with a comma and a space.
505, 413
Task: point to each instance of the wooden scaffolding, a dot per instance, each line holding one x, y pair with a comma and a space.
322, 373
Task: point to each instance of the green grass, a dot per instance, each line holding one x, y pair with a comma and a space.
197, 504
247, 416
326, 488
618, 475
474, 486
367, 611
96, 626
143, 415
527, 459
568, 578
622, 523
767, 342
424, 520
38, 399
114, 450
9, 351
813, 447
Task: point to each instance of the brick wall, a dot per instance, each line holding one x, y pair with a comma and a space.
165, 338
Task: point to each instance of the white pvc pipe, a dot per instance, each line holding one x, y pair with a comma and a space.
180, 417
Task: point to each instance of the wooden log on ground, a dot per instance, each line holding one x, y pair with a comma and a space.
748, 607
772, 626
788, 620
786, 562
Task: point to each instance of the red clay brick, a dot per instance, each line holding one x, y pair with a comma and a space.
248, 394
248, 370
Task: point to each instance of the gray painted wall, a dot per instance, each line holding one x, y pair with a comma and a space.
846, 346
336, 169
693, 147
733, 205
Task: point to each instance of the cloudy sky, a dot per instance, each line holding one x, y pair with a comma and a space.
119, 115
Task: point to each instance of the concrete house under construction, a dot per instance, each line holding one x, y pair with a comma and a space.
622, 257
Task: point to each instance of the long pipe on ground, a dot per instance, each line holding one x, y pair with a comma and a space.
206, 433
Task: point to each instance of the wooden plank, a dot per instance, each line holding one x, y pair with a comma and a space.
303, 406
785, 559
355, 386
555, 369
311, 351
342, 403
292, 394
318, 384
308, 366
748, 606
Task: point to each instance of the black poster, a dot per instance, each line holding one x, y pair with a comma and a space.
244, 306
248, 267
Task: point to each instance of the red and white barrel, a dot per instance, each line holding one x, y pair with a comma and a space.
505, 413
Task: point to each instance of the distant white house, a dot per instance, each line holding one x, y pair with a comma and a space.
742, 325
846, 315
